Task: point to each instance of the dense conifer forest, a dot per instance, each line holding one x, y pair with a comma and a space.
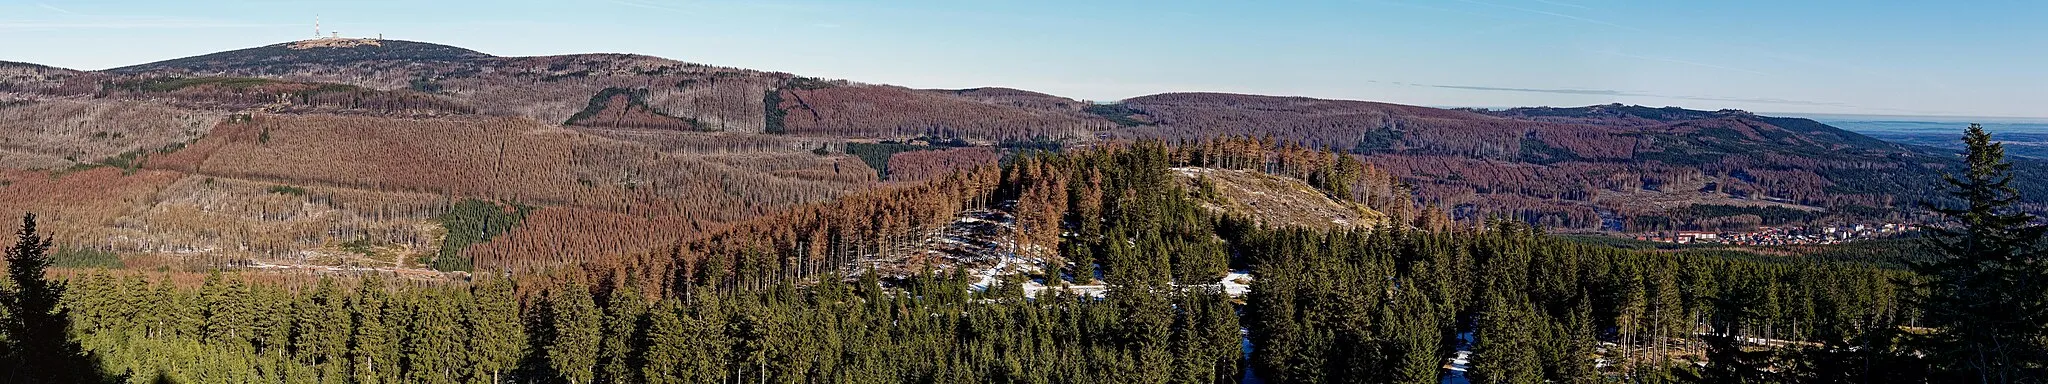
781, 299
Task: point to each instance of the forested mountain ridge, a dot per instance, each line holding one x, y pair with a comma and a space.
344, 214
1618, 115
26, 77
311, 52
12, 65
364, 156
1610, 166
622, 154
555, 88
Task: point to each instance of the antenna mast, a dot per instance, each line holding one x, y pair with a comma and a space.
316, 26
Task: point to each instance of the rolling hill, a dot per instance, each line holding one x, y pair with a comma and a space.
311, 53
1610, 166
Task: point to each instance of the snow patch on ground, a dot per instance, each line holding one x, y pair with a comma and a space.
981, 241
1234, 284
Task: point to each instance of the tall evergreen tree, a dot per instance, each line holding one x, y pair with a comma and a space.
1988, 290
320, 335
498, 338
225, 306
709, 355
36, 343
372, 353
619, 350
667, 339
1415, 339
1506, 352
434, 349
1571, 356
573, 344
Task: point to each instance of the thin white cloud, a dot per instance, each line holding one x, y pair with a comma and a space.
54, 8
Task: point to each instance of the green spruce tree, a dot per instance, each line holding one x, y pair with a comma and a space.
1987, 291
495, 329
573, 346
372, 354
619, 351
37, 347
667, 340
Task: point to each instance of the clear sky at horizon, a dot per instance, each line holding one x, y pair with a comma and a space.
1968, 58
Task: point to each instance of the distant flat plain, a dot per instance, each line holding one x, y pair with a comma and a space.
2023, 136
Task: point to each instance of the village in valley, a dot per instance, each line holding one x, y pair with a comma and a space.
1782, 235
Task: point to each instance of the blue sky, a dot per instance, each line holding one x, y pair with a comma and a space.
1970, 58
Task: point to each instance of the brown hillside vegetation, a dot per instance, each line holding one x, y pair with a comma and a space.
233, 93
826, 238
515, 160
709, 143
630, 155
555, 88
616, 108
895, 112
1274, 201
50, 134
1019, 98
544, 88
1047, 195
32, 78
1563, 167
553, 237
617, 186
925, 165
223, 220
1322, 123
294, 188
1378, 188
79, 208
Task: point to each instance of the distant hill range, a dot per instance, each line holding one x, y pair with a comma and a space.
316, 52
375, 137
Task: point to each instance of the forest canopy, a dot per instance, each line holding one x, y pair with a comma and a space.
771, 299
